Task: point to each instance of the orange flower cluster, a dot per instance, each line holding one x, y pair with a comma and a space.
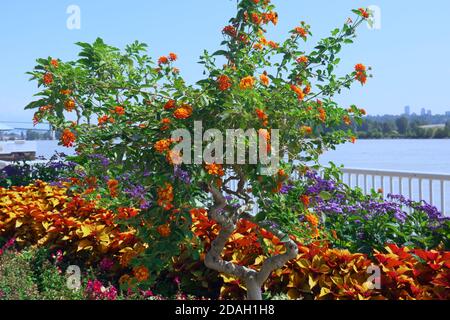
165, 197
119, 110
183, 112
164, 230
298, 91
306, 129
163, 60
54, 63
66, 92
264, 79
113, 184
48, 78
141, 273
305, 199
364, 13
127, 213
162, 146
171, 104
230, 31
302, 32
322, 114
45, 108
263, 117
247, 83
69, 105
68, 138
215, 169
270, 17
105, 119
46, 216
224, 82
303, 60
347, 120
165, 124
361, 73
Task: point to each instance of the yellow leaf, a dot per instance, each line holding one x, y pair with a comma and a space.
46, 225
259, 260
18, 223
312, 282
86, 230
303, 263
84, 245
323, 292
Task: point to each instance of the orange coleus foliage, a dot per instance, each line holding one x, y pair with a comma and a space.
320, 272
44, 215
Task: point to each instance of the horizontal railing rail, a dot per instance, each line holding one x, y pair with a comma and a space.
430, 187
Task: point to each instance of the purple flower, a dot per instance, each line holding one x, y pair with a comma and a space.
285, 188
104, 161
106, 264
182, 175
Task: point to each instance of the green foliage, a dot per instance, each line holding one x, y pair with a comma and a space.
29, 275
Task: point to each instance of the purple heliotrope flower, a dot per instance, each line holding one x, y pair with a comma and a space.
103, 160
182, 175
285, 188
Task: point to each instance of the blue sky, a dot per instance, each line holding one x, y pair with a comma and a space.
409, 54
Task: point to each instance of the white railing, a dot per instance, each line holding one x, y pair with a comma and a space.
430, 187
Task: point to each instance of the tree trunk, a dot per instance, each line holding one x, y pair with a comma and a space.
254, 280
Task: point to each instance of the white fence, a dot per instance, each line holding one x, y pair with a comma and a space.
430, 187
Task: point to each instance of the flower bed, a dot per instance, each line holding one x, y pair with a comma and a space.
50, 217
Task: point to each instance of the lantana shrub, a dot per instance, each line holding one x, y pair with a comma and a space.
120, 108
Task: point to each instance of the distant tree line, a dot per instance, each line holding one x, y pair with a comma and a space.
389, 126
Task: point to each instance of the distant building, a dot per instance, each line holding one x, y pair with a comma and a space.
423, 112
407, 110
447, 113
429, 113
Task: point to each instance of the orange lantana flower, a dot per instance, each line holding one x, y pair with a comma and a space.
162, 146
164, 230
214, 169
163, 60
112, 187
165, 197
303, 60
69, 105
173, 56
141, 273
312, 219
247, 83
224, 82
301, 31
264, 79
305, 199
298, 91
119, 110
171, 104
48, 78
183, 112
306, 129
67, 138
262, 116
54, 62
